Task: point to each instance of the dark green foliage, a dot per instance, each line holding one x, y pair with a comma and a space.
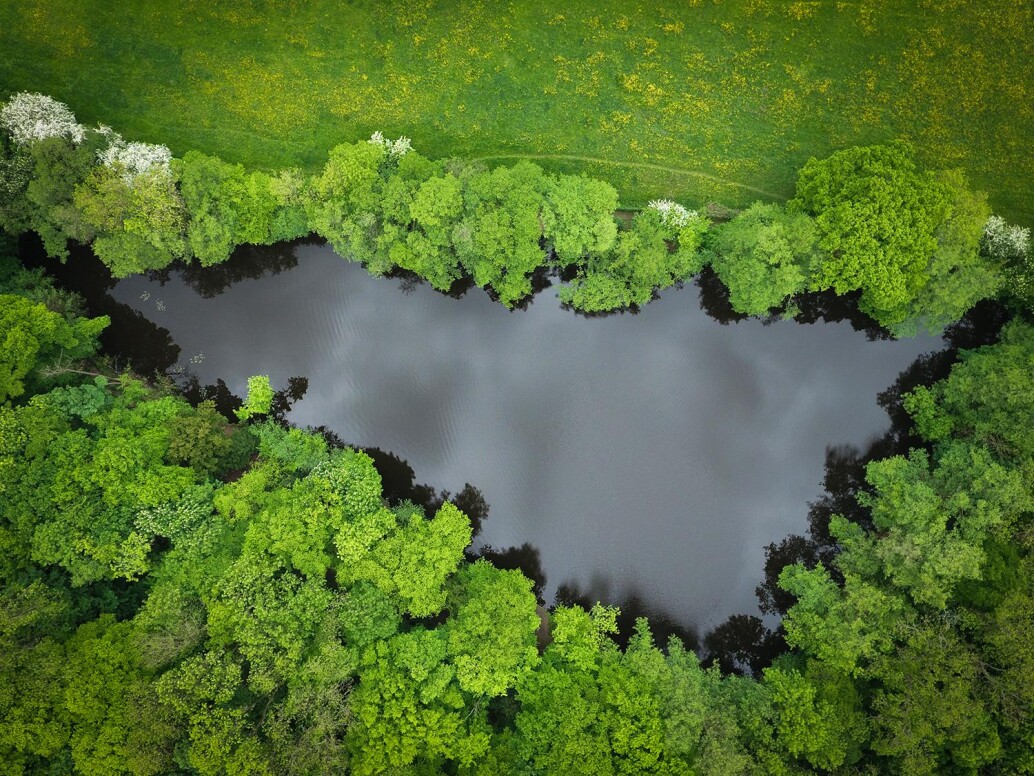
198, 439
58, 167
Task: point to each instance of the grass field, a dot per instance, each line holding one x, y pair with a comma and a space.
700, 99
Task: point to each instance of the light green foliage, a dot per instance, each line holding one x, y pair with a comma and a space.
491, 629
987, 399
579, 636
343, 200
421, 243
804, 724
839, 626
640, 263
32, 336
578, 218
498, 239
408, 706
138, 222
295, 450
271, 616
908, 239
928, 714
107, 696
201, 691
558, 727
259, 400
415, 560
590, 708
33, 718
228, 206
876, 215
959, 276
763, 256
72, 496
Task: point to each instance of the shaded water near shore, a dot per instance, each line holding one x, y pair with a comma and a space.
652, 455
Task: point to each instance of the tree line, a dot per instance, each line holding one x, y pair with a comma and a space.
919, 247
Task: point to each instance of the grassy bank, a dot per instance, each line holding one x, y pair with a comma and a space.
709, 99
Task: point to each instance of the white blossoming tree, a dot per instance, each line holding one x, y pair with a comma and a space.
134, 159
1009, 246
395, 149
1005, 242
29, 116
672, 213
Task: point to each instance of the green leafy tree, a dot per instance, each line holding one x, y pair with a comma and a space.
497, 240
198, 438
653, 254
932, 525
986, 399
229, 206
58, 167
763, 256
578, 219
139, 221
408, 708
878, 217
33, 336
343, 200
259, 400
491, 632
958, 275
929, 716
422, 242
839, 626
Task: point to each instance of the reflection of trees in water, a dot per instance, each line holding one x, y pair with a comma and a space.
714, 298
131, 340
810, 307
743, 645
527, 558
729, 644
829, 307
247, 262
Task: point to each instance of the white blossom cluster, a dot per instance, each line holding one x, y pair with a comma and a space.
396, 149
1002, 241
29, 116
672, 213
134, 158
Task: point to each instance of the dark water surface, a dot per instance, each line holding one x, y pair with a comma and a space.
652, 454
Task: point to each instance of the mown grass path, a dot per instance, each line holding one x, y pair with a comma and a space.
639, 165
698, 94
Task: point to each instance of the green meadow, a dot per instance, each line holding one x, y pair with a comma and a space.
699, 100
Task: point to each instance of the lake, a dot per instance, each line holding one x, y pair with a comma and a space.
651, 455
